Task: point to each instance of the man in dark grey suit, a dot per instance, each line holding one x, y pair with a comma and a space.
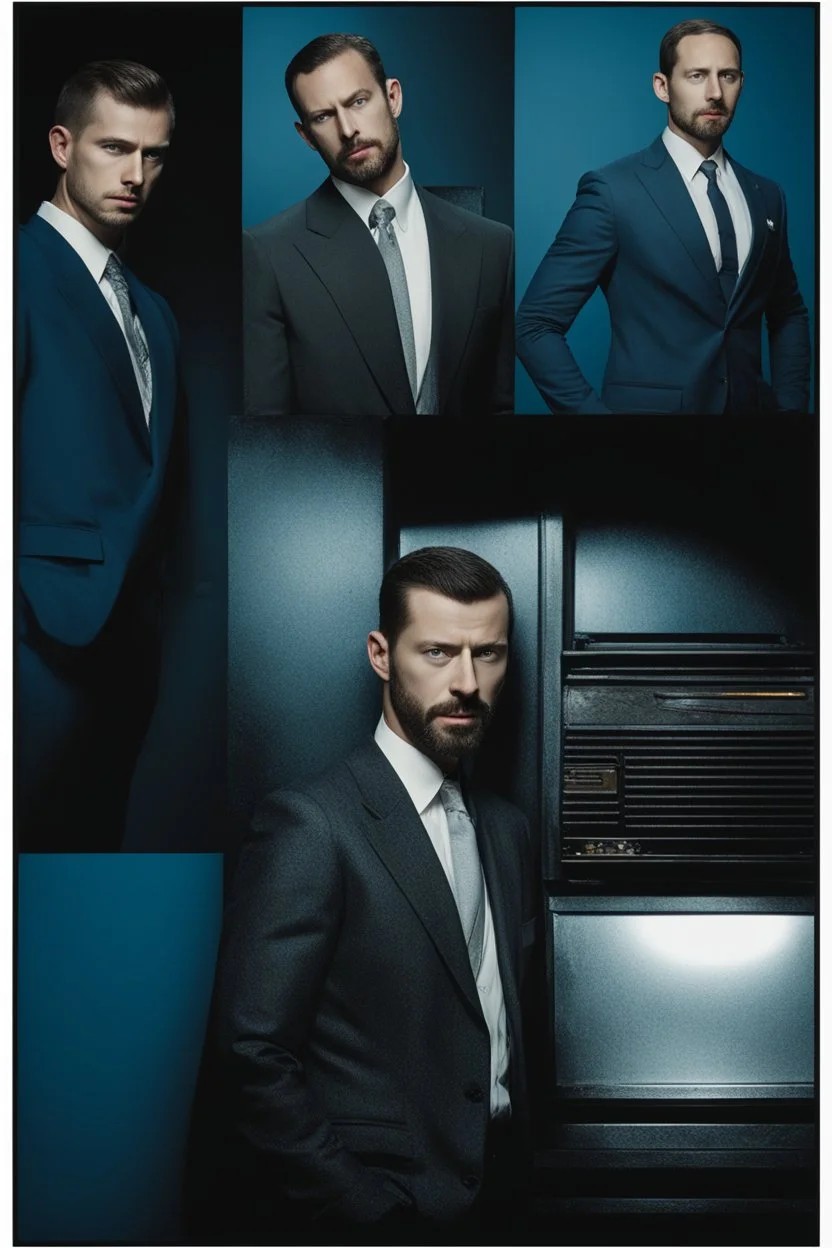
367, 1005
373, 297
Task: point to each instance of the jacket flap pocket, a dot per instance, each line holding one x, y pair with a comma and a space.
61, 541
642, 398
375, 1137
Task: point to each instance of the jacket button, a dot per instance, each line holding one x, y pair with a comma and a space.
474, 1093
470, 1180
723, 381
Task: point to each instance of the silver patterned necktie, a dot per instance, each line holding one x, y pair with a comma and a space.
138, 346
381, 219
470, 892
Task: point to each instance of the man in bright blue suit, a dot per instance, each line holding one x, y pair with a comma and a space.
691, 252
97, 391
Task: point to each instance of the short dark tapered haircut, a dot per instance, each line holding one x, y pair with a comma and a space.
326, 48
447, 570
669, 47
126, 81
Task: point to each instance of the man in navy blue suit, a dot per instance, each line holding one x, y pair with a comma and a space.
96, 390
691, 252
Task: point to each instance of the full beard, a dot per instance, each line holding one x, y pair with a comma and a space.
699, 127
444, 743
374, 166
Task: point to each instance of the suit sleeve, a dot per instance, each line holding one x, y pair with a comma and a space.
267, 373
569, 273
280, 934
504, 376
788, 333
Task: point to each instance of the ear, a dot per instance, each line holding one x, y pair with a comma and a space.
60, 143
378, 653
309, 142
394, 96
660, 87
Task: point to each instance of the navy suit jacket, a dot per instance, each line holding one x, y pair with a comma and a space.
634, 232
346, 1011
320, 330
90, 473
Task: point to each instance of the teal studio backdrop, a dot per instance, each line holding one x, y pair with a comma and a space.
584, 97
456, 66
115, 967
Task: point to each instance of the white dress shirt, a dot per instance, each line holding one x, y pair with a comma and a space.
95, 256
423, 780
688, 161
412, 237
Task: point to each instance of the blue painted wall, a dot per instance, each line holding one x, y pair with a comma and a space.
584, 97
456, 68
115, 965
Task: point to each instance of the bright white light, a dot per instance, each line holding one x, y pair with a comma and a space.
705, 940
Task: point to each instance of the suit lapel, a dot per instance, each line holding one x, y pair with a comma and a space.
759, 229
89, 309
393, 827
665, 186
162, 366
341, 252
455, 265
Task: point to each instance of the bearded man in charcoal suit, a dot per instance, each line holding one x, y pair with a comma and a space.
373, 297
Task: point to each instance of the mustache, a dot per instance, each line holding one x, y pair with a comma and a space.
462, 706
346, 148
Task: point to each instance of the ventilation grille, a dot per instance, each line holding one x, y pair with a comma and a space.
680, 794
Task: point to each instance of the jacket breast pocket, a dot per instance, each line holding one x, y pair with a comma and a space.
73, 543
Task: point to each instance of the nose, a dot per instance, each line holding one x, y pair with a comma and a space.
346, 123
714, 87
464, 677
132, 173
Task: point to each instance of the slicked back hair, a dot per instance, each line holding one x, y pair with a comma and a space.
447, 570
669, 47
326, 48
128, 82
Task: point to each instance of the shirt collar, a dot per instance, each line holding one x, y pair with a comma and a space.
362, 200
418, 773
90, 249
685, 156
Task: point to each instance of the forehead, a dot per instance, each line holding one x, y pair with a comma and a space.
112, 119
432, 616
704, 51
334, 81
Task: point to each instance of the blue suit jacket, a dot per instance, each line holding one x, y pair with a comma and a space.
633, 230
90, 473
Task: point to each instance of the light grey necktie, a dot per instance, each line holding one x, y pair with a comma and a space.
381, 219
138, 346
470, 893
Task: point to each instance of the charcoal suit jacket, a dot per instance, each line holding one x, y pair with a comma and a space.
676, 347
346, 1012
320, 330
90, 471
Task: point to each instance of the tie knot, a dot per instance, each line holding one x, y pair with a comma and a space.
709, 168
451, 797
113, 268
381, 215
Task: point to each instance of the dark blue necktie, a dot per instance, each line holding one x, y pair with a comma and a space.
729, 271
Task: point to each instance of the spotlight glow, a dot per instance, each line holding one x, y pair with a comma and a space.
714, 940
